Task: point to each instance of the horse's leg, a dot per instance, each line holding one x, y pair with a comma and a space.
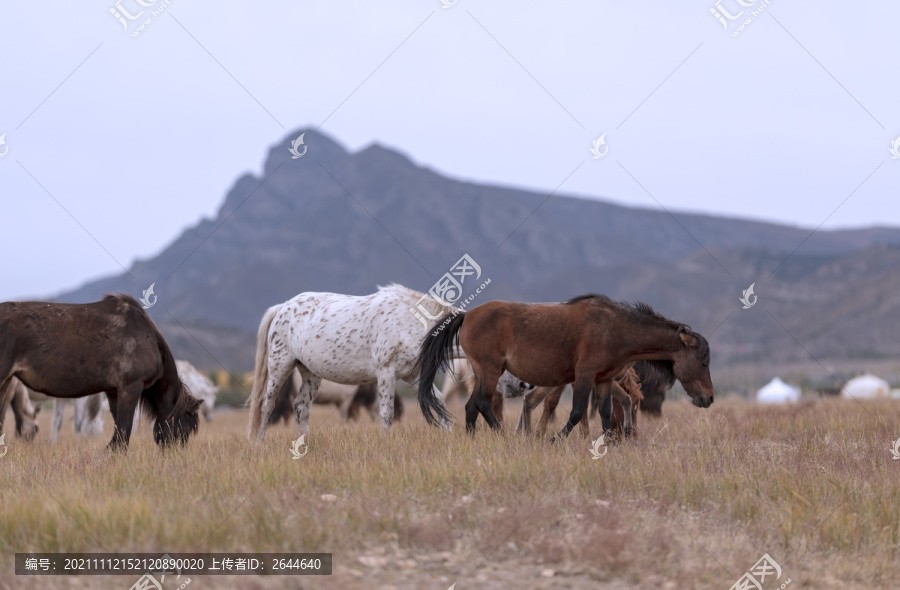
5, 398
602, 392
482, 398
581, 393
606, 414
58, 405
126, 401
305, 396
113, 400
550, 402
344, 407
616, 391
94, 417
279, 370
528, 404
387, 385
79, 418
497, 405
585, 423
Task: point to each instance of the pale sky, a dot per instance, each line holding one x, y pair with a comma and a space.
138, 138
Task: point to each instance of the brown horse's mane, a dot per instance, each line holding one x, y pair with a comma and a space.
661, 373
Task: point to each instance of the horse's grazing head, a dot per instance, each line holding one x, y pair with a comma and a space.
691, 367
26, 424
183, 421
511, 386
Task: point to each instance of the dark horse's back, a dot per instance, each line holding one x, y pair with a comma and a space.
98, 345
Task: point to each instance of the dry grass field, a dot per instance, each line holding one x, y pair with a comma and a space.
694, 502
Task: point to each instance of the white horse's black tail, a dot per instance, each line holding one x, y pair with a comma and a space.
435, 354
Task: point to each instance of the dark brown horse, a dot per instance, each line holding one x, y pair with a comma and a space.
73, 350
586, 341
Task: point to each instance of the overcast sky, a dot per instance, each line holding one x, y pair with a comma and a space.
116, 143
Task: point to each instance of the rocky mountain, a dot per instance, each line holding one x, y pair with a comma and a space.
345, 222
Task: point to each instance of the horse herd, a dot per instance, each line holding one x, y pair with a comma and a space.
351, 350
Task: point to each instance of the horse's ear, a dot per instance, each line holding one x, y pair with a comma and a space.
195, 404
689, 339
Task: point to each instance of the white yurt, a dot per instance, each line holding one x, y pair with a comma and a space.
866, 387
777, 392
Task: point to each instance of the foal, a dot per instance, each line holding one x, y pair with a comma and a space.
625, 384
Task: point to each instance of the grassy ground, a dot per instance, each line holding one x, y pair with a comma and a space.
694, 502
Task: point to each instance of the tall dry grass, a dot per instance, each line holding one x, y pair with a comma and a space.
696, 500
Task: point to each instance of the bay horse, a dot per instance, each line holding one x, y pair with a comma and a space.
15, 396
586, 341
343, 338
72, 350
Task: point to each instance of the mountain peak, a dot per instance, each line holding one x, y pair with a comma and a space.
316, 145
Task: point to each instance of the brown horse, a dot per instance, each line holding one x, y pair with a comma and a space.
586, 341
25, 414
73, 350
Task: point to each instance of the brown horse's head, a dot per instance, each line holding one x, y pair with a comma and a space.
691, 366
183, 421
